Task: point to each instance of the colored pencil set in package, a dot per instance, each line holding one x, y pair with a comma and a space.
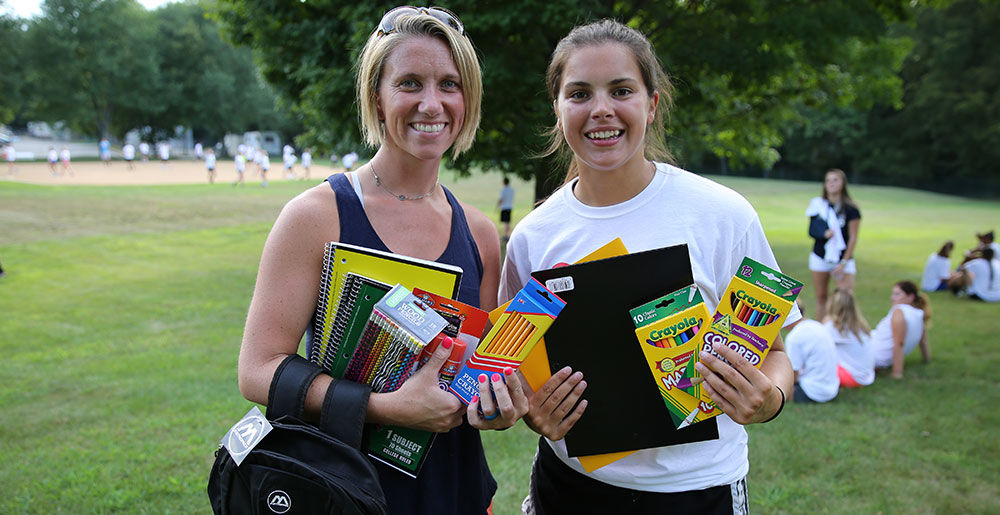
748, 319
667, 329
399, 328
509, 342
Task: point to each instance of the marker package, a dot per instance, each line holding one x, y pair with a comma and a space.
516, 332
667, 330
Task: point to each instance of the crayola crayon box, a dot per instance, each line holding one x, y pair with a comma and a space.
749, 316
666, 329
516, 332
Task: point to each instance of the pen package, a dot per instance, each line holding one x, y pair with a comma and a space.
509, 342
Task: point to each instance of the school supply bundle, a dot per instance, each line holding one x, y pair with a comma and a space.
595, 335
527, 317
748, 319
353, 281
403, 448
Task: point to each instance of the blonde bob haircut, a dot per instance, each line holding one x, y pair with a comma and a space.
372, 61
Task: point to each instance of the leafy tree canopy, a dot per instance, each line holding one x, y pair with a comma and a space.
108, 66
743, 68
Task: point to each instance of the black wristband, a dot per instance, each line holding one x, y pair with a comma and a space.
780, 406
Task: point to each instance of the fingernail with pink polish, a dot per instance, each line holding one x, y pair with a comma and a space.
475, 399
496, 377
482, 378
508, 371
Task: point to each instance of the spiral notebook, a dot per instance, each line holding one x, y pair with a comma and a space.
355, 278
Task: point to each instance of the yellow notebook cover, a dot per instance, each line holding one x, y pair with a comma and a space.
339, 259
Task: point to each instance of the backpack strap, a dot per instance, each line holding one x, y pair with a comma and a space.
344, 406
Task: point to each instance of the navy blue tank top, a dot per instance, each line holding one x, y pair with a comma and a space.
455, 478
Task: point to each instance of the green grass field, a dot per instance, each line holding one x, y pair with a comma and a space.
123, 307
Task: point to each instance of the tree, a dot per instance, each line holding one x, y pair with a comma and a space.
742, 67
94, 64
946, 136
14, 76
207, 83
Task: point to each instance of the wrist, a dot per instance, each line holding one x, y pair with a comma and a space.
781, 405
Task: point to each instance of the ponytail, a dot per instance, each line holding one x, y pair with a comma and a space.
920, 299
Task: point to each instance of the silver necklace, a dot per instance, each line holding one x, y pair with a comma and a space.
378, 182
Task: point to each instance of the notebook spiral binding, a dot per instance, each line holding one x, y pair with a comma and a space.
348, 296
324, 349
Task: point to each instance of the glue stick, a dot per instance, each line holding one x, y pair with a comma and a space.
451, 366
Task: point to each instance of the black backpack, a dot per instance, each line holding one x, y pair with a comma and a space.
299, 467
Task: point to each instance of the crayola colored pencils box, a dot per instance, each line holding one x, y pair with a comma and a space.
749, 315
666, 329
516, 332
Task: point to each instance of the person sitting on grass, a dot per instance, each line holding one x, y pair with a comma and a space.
852, 336
937, 269
814, 360
902, 329
979, 278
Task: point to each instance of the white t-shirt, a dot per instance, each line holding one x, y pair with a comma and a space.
64, 154
53, 155
241, 162
349, 159
986, 280
10, 153
814, 356
720, 228
855, 353
128, 152
210, 161
307, 159
936, 270
882, 342
144, 148
507, 197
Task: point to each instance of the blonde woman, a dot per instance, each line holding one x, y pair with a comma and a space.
852, 336
419, 88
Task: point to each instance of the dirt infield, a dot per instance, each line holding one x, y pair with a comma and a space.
152, 172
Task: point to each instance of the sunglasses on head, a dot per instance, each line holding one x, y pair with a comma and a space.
388, 23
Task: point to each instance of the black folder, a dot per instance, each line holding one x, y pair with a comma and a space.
595, 335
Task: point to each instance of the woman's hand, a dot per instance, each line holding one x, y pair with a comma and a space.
741, 391
828, 234
838, 271
500, 403
551, 413
420, 403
